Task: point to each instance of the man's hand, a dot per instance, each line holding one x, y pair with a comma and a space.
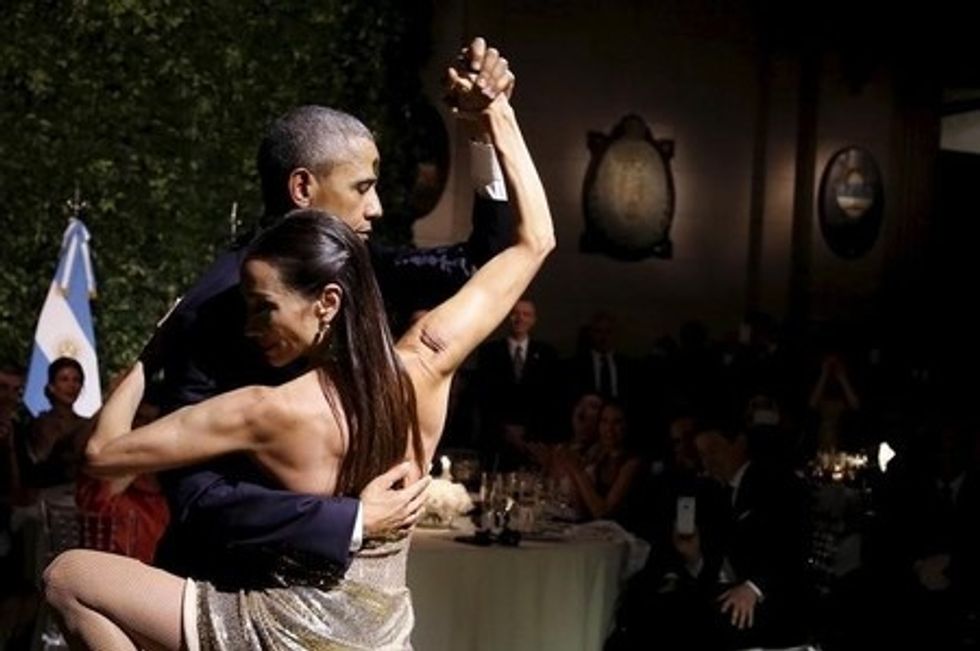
7, 431
740, 601
688, 546
385, 508
932, 572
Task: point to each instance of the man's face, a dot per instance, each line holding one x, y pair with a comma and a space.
602, 331
522, 319
720, 457
349, 190
685, 454
11, 390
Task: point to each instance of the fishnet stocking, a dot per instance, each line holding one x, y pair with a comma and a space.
107, 601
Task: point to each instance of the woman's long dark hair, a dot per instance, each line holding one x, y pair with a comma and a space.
310, 248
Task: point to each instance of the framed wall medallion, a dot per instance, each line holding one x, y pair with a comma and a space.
852, 202
628, 193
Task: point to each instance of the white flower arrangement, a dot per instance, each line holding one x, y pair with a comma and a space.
445, 501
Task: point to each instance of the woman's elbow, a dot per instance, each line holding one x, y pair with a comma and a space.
547, 244
96, 462
543, 244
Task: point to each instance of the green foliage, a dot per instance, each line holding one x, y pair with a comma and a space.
154, 108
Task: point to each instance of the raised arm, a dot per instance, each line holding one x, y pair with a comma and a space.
413, 279
438, 343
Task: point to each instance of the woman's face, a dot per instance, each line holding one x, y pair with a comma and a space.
585, 415
612, 427
66, 386
282, 322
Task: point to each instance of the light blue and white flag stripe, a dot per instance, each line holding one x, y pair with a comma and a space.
64, 328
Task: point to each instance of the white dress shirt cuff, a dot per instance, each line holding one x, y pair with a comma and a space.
756, 590
488, 179
357, 538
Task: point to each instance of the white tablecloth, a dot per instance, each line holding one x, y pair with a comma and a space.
539, 596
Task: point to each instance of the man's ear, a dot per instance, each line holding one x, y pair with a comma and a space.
301, 186
329, 302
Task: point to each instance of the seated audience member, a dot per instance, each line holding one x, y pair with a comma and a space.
678, 475
603, 485
58, 434
12, 426
11, 439
138, 495
934, 534
736, 580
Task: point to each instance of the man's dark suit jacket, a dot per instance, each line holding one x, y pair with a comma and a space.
581, 377
762, 538
227, 516
505, 400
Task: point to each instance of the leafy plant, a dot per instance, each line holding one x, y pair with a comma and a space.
154, 109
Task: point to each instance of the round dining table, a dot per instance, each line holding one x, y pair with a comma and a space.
540, 595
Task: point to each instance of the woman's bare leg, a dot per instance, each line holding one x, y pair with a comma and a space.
106, 601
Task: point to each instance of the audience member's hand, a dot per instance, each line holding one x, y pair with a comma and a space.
542, 454
6, 430
931, 572
740, 602
688, 546
567, 460
832, 365
385, 507
514, 436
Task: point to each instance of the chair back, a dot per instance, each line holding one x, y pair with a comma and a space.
67, 527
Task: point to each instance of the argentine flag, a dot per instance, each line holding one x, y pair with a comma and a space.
64, 328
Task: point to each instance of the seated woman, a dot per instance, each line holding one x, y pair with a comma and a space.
133, 496
365, 403
58, 434
604, 483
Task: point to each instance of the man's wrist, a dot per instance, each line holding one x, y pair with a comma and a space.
487, 177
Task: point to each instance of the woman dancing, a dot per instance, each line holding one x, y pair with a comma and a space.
365, 403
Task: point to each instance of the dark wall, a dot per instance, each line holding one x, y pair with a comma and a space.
742, 99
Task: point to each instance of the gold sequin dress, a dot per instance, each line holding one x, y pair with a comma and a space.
369, 607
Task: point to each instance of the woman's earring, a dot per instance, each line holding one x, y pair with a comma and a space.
323, 331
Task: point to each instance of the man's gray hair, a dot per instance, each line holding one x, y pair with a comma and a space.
314, 137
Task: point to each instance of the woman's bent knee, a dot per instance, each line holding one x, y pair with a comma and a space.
61, 578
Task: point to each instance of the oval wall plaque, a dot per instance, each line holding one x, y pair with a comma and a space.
628, 193
851, 202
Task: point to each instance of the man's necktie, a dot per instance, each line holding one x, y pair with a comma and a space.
605, 376
518, 362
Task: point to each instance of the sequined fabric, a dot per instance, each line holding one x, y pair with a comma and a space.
368, 608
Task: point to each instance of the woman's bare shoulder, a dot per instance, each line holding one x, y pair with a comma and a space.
295, 401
